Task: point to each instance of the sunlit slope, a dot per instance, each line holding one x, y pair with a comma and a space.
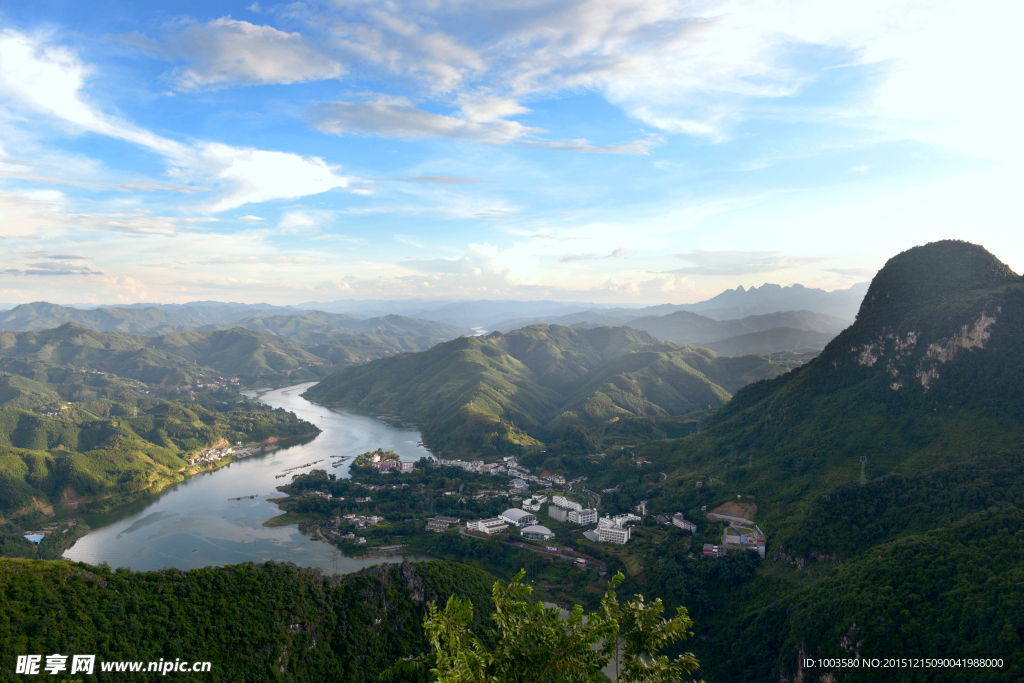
505, 393
88, 436
925, 385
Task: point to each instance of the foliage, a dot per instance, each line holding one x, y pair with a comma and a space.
535, 644
268, 622
505, 394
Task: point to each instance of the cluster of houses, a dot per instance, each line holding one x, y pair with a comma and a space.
210, 455
50, 411
387, 466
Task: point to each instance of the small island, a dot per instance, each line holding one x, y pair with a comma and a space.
375, 458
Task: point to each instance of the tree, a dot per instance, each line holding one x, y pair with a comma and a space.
535, 644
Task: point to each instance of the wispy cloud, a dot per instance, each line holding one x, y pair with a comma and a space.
228, 52
736, 263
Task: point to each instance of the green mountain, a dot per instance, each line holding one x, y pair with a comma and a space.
43, 316
508, 393
86, 437
174, 359
925, 388
269, 622
774, 340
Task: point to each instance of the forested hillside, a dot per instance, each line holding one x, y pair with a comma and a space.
84, 439
509, 393
269, 622
925, 386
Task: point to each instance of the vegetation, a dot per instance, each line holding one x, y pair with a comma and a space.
83, 440
535, 644
507, 394
269, 622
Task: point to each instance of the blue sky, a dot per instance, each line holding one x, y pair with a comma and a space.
609, 151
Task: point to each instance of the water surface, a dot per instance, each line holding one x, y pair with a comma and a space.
195, 524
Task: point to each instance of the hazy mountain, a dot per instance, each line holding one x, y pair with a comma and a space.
213, 312
44, 316
774, 340
314, 327
469, 314
506, 393
768, 298
685, 327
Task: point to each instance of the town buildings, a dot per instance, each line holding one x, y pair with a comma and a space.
440, 524
495, 525
519, 518
536, 532
679, 521
565, 503
582, 517
557, 513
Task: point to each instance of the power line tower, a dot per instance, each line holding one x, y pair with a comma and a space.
863, 476
751, 456
334, 560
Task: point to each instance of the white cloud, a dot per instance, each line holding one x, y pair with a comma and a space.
49, 80
737, 263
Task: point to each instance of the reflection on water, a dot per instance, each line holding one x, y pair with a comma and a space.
194, 524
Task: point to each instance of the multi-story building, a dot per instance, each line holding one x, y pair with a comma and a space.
494, 525
557, 513
531, 504
586, 516
679, 521
563, 502
613, 534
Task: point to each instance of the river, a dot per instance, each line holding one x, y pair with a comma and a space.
195, 524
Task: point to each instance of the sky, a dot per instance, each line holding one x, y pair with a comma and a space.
610, 151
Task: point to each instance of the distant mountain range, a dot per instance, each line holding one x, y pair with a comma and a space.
353, 337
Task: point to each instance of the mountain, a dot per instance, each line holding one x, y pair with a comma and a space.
169, 359
507, 393
212, 312
685, 327
774, 340
43, 316
71, 436
379, 335
921, 394
768, 298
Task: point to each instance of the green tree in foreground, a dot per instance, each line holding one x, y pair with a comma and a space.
535, 644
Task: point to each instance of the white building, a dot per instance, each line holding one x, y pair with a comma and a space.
622, 520
557, 479
613, 534
557, 513
679, 521
532, 504
563, 502
494, 525
517, 517
583, 516
536, 533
